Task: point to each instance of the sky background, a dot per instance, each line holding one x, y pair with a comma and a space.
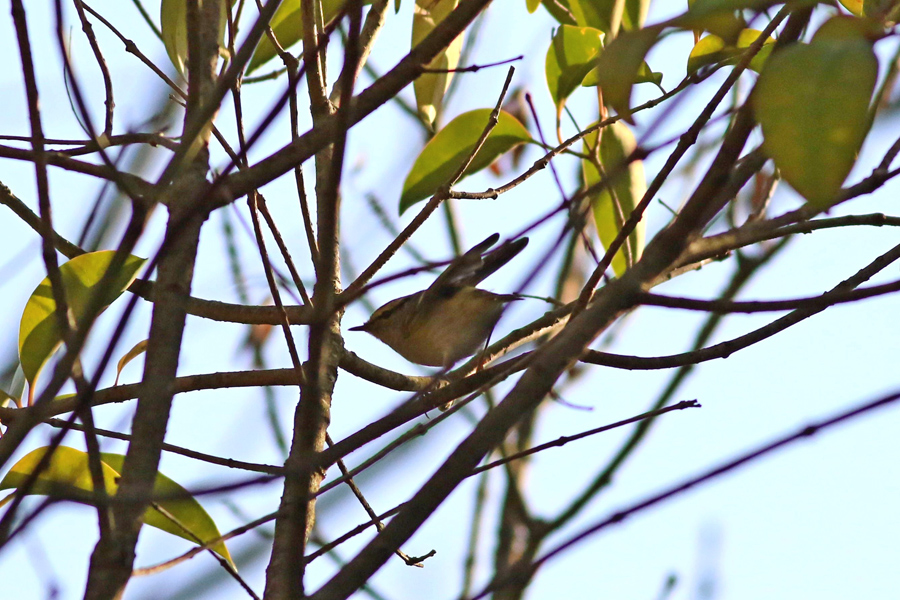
816, 520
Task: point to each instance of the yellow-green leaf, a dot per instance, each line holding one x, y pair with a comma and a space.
446, 152
287, 25
712, 49
629, 184
570, 57
532, 5
68, 475
854, 6
173, 26
430, 87
619, 66
813, 104
38, 331
176, 512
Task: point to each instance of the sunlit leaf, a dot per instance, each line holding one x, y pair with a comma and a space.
173, 25
813, 104
571, 55
598, 14
712, 49
532, 5
854, 6
619, 66
68, 476
452, 145
629, 184
39, 334
431, 87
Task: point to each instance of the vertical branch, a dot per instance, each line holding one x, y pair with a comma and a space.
293, 78
313, 60
113, 557
284, 577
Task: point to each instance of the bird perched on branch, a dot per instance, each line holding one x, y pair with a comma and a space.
452, 318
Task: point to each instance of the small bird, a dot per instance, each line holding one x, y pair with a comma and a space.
452, 318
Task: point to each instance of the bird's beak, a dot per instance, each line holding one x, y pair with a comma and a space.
358, 328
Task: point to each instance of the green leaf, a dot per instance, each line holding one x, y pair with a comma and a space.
532, 5
173, 26
813, 104
619, 66
68, 476
39, 334
629, 184
635, 14
712, 49
705, 8
886, 11
644, 75
446, 152
15, 388
431, 87
599, 14
9, 400
570, 57
287, 25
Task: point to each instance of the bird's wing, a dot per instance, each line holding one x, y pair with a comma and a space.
474, 266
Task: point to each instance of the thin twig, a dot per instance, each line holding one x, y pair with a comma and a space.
563, 440
201, 456
101, 62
